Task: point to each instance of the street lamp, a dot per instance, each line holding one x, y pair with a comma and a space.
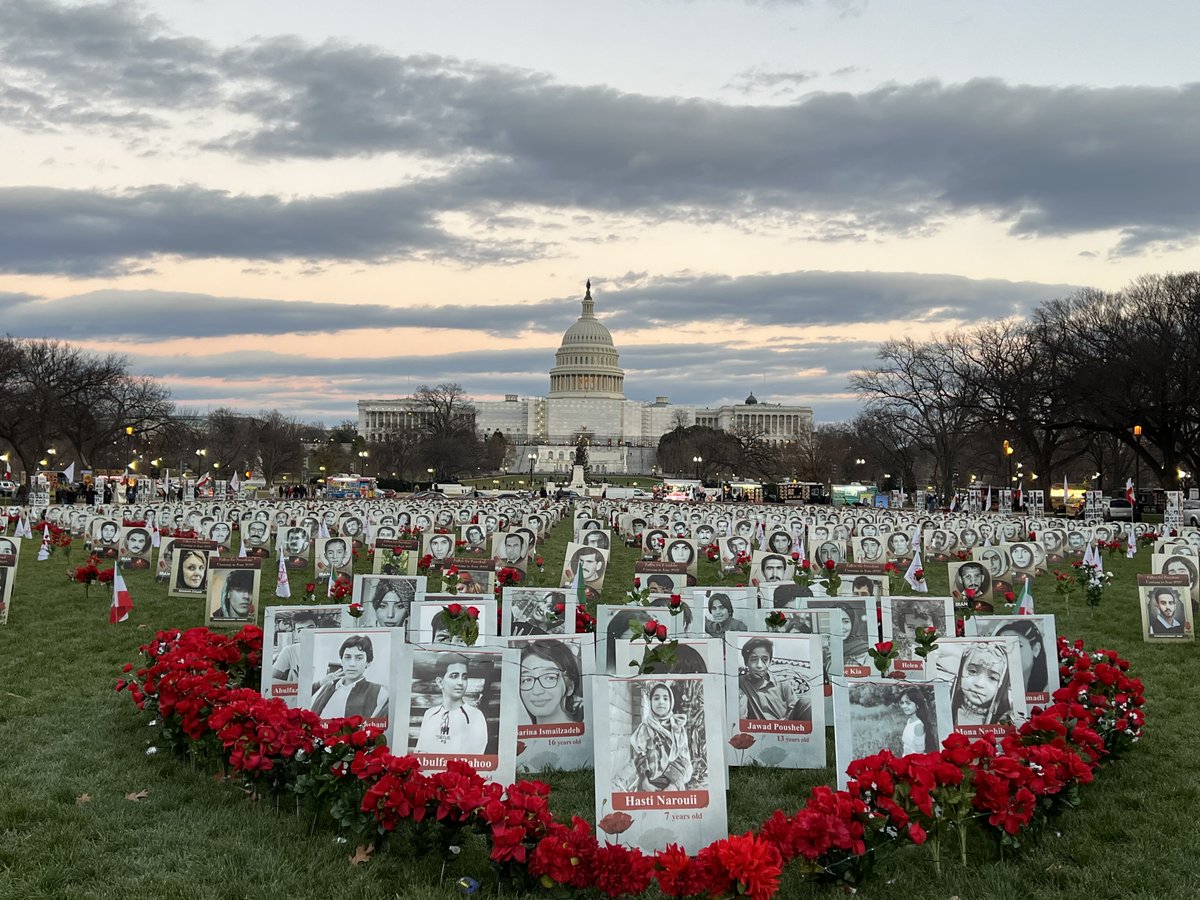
1137, 468
697, 460
532, 460
430, 470
362, 462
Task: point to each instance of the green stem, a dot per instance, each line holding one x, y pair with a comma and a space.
962, 841
935, 846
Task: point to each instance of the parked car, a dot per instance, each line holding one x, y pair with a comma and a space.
1191, 512
1118, 509
8, 488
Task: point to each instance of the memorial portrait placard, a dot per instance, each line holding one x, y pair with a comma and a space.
476, 575
873, 714
350, 672
592, 565
554, 717
987, 684
775, 701
853, 619
459, 703
1166, 608
537, 611
1179, 564
396, 556
430, 620
660, 761
1037, 639
8, 576
334, 558
693, 656
233, 587
294, 543
189, 567
662, 577
901, 617
613, 623
388, 600
283, 627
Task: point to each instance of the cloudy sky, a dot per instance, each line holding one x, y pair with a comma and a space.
297, 203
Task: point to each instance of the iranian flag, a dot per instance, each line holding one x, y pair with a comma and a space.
122, 603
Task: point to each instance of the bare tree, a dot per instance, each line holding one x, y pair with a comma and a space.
920, 392
277, 442
449, 444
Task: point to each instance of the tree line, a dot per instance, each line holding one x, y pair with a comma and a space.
1094, 383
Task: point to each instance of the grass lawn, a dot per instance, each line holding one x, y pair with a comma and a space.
73, 750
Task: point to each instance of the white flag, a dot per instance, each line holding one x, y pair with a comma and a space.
283, 587
44, 552
69, 471
910, 575
1131, 544
323, 530
235, 483
915, 538
987, 506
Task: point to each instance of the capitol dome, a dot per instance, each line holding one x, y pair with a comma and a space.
586, 364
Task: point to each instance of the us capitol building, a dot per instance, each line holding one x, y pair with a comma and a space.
587, 402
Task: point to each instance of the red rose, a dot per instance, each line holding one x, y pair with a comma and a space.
1009, 596
675, 601
796, 555
830, 565
661, 631
539, 562
473, 612
560, 608
310, 588
454, 609
919, 574
970, 592
637, 582
884, 647
651, 627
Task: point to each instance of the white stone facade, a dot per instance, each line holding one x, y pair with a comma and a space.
587, 399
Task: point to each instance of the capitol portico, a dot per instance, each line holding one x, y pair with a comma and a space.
587, 401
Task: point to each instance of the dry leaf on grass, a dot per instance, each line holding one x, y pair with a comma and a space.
83, 798
362, 854
135, 796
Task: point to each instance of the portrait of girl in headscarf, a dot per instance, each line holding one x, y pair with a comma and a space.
662, 758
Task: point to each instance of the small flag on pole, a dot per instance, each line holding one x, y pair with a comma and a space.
1129, 490
122, 603
283, 587
1026, 603
44, 552
1131, 544
577, 585
235, 483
